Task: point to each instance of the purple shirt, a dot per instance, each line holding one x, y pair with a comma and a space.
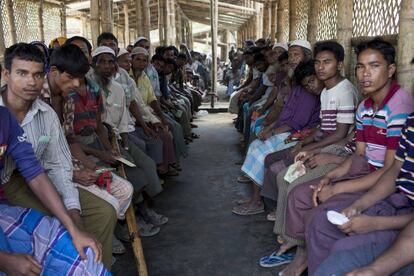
300, 111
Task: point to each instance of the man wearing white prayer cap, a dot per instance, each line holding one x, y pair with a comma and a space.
299, 50
142, 42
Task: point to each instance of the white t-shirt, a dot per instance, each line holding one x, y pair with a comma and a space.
338, 105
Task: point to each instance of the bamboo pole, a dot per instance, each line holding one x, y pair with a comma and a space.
214, 23
95, 22
138, 13
63, 18
161, 21
127, 38
273, 13
171, 34
131, 222
106, 16
178, 37
266, 11
344, 26
190, 35
224, 48
258, 21
2, 42
293, 20
313, 20
10, 19
146, 18
40, 19
406, 45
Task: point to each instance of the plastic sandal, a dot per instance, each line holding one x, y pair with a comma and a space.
273, 260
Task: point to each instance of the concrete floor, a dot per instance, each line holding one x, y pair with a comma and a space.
203, 237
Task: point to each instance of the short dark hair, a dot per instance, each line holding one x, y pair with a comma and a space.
259, 57
182, 56
171, 61
283, 56
81, 38
378, 44
70, 59
23, 51
330, 46
303, 70
106, 35
157, 57
171, 48
159, 50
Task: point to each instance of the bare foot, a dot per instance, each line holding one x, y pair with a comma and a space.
286, 246
280, 239
298, 265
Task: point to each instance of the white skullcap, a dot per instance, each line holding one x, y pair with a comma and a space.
281, 45
302, 43
102, 50
121, 52
139, 50
140, 39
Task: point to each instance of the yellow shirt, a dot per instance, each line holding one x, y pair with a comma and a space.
145, 89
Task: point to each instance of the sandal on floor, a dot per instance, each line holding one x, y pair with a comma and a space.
117, 247
252, 209
273, 260
243, 201
243, 179
271, 216
155, 218
146, 229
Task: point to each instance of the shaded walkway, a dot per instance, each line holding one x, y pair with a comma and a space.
203, 237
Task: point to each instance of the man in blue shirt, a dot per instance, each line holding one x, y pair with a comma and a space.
17, 240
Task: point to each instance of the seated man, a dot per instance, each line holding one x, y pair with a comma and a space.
379, 119
24, 75
377, 216
31, 243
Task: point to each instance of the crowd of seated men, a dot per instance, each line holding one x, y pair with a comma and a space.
328, 160
70, 115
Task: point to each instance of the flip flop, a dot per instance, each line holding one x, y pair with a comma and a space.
273, 260
250, 210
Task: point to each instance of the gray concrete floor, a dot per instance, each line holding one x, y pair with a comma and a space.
202, 236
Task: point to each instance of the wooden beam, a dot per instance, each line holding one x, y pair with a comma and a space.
10, 19
95, 23
138, 12
266, 16
214, 26
313, 18
106, 16
146, 18
172, 29
406, 45
221, 6
293, 20
274, 10
126, 25
40, 20
344, 34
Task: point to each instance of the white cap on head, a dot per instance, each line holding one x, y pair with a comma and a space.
140, 39
302, 43
281, 45
139, 50
102, 50
121, 52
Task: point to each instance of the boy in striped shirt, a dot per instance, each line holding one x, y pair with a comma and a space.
380, 118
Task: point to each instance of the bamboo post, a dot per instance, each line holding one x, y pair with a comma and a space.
224, 48
178, 37
106, 16
131, 222
406, 45
10, 19
293, 20
314, 7
344, 26
258, 21
190, 35
266, 21
172, 28
40, 19
214, 23
63, 18
138, 15
274, 7
95, 22
161, 27
127, 38
146, 18
2, 43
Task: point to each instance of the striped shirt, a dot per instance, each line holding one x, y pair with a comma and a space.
405, 154
380, 129
44, 132
338, 105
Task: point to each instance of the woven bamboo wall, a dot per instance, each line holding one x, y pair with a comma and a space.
302, 12
327, 20
27, 21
